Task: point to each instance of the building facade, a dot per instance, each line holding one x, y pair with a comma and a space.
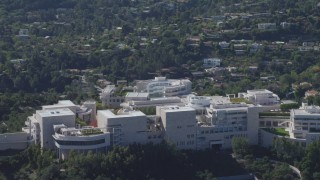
305, 123
162, 87
110, 97
261, 97
211, 62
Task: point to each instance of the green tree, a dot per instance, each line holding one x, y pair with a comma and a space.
310, 165
240, 146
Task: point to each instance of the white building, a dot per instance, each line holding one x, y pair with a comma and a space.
224, 45
162, 87
81, 140
202, 102
48, 118
152, 102
179, 125
61, 105
135, 96
211, 62
129, 127
23, 33
305, 123
260, 97
87, 111
16, 141
224, 121
303, 127
267, 26
110, 97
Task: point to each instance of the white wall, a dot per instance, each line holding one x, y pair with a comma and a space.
14, 141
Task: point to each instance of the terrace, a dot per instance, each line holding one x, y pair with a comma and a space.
85, 131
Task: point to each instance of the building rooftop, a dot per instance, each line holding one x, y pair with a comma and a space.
60, 105
220, 100
307, 111
258, 91
55, 112
177, 108
121, 113
109, 89
66, 102
137, 94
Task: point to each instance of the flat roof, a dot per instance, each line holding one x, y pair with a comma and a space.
258, 91
137, 94
220, 100
60, 105
177, 108
312, 111
230, 108
55, 112
110, 114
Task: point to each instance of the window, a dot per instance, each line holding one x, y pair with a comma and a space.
275, 123
81, 143
268, 123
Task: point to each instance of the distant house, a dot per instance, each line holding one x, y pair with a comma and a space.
224, 45
286, 25
252, 68
23, 33
311, 93
305, 48
197, 74
308, 44
267, 26
193, 41
289, 47
255, 47
219, 18
211, 62
240, 49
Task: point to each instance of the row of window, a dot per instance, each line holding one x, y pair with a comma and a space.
235, 135
306, 124
154, 137
116, 100
226, 129
190, 136
183, 143
233, 113
268, 123
306, 119
81, 143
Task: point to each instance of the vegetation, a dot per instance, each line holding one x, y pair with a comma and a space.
310, 165
240, 146
60, 49
266, 169
240, 100
277, 131
65, 47
87, 132
81, 122
149, 161
287, 151
288, 107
